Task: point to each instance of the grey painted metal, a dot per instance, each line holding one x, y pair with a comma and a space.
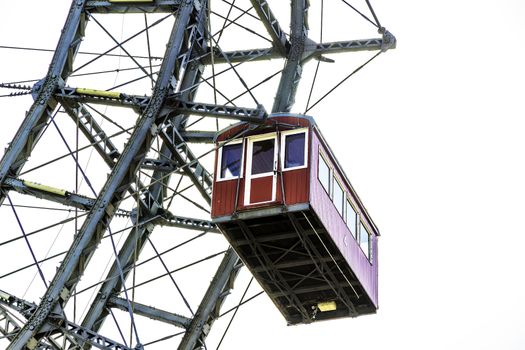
33, 125
250, 55
73, 335
86, 203
159, 112
112, 193
251, 115
311, 50
157, 6
285, 96
280, 42
135, 240
71, 100
182, 153
91, 130
194, 136
8, 325
186, 223
151, 312
275, 275
209, 308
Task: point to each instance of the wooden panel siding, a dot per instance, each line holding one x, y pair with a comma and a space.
296, 186
325, 209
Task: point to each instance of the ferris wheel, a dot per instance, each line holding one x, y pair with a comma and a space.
113, 235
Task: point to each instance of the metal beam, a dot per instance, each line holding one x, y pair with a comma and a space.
209, 308
292, 263
285, 96
40, 112
90, 234
275, 275
280, 42
150, 312
65, 328
49, 193
249, 55
69, 95
92, 131
135, 241
71, 99
182, 153
194, 136
156, 6
186, 223
251, 115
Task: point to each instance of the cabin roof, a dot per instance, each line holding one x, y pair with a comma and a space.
310, 119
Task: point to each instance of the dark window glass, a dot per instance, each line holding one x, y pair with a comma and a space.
364, 240
324, 174
294, 150
339, 197
351, 218
231, 160
262, 156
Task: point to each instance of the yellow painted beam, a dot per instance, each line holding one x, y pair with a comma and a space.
44, 188
98, 93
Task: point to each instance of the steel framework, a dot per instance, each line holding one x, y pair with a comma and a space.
159, 148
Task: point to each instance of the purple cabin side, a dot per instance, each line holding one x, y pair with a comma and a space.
322, 202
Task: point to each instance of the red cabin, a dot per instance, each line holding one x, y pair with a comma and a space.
289, 211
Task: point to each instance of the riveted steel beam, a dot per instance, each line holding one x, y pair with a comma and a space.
90, 234
136, 240
151, 312
182, 154
292, 72
40, 112
49, 193
257, 115
209, 308
156, 6
280, 42
195, 136
250, 55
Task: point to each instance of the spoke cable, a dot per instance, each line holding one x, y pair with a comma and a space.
27, 240
342, 81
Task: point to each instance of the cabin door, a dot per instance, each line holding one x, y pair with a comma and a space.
261, 169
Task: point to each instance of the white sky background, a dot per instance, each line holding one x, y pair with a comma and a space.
431, 136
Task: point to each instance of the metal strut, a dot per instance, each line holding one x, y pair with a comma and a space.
163, 115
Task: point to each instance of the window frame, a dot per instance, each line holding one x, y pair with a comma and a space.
219, 161
354, 231
343, 197
330, 172
249, 153
282, 155
368, 254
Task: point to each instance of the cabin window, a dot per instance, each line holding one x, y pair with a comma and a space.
351, 218
294, 150
338, 197
324, 174
263, 156
364, 240
231, 159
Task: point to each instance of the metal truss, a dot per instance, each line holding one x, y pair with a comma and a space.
153, 174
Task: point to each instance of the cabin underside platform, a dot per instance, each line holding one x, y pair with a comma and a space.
295, 260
